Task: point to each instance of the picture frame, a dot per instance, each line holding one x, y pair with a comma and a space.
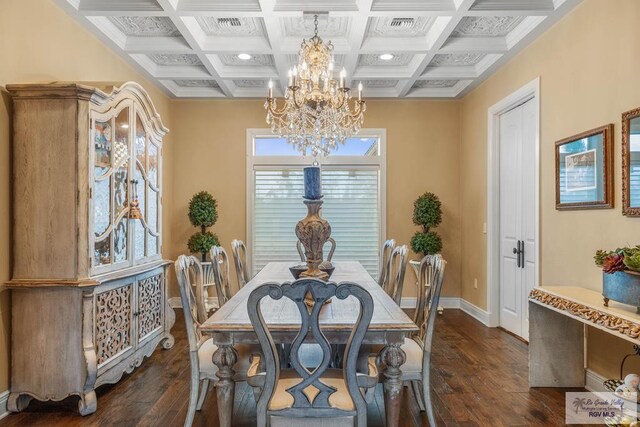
584, 170
630, 163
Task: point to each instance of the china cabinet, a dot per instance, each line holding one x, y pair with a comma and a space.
89, 297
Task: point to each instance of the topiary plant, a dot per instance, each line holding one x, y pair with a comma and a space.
427, 213
203, 213
203, 210
202, 242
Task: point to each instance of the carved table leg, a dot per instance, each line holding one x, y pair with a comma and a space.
224, 358
18, 402
392, 357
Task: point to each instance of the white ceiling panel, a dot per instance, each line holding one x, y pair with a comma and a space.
397, 48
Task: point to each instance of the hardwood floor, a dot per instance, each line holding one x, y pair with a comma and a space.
479, 379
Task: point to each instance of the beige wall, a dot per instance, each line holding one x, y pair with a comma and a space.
588, 67
422, 155
40, 43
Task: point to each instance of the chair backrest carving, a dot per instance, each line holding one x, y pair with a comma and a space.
207, 274
240, 261
220, 268
430, 280
303, 258
397, 268
385, 259
188, 267
320, 292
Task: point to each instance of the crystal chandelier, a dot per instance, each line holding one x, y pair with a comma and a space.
318, 112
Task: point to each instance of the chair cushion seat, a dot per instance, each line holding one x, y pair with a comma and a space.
413, 352
340, 399
205, 354
211, 306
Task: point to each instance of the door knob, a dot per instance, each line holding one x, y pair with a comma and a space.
517, 251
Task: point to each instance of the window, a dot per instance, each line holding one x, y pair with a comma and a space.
354, 198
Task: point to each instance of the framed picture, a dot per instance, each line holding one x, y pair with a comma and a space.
631, 163
584, 169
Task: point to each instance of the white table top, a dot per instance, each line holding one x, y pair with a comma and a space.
588, 307
337, 315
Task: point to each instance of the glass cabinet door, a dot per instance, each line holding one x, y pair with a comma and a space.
146, 173
126, 170
110, 176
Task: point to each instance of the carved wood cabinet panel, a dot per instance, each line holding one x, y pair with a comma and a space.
87, 259
113, 325
149, 306
131, 315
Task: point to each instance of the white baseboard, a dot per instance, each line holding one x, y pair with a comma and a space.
593, 381
474, 311
450, 302
4, 397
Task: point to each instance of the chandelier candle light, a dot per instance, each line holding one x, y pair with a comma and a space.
318, 111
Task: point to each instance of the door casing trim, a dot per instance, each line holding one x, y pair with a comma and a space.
528, 92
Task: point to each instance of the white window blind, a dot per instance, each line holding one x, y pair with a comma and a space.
351, 205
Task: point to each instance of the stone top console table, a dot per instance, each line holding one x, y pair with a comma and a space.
557, 315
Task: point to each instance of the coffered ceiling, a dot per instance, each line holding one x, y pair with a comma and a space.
396, 48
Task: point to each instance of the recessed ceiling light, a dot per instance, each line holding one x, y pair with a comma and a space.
386, 57
244, 56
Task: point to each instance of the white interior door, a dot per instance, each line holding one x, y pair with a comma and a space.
517, 216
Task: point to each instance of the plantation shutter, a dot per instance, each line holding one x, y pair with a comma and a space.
351, 206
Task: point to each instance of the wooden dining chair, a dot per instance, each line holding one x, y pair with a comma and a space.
304, 391
220, 268
416, 368
385, 259
303, 258
397, 269
240, 261
201, 349
208, 283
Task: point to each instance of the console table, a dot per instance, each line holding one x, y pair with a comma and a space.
557, 315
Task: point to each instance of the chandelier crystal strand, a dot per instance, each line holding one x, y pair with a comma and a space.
318, 111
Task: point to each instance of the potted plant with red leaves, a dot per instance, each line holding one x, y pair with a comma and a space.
620, 275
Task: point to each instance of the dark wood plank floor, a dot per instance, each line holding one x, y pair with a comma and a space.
479, 379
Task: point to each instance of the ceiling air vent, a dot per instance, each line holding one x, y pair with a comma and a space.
229, 22
402, 22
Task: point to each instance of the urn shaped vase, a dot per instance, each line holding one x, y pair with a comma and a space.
313, 232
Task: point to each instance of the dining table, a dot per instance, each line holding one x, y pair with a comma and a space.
230, 325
